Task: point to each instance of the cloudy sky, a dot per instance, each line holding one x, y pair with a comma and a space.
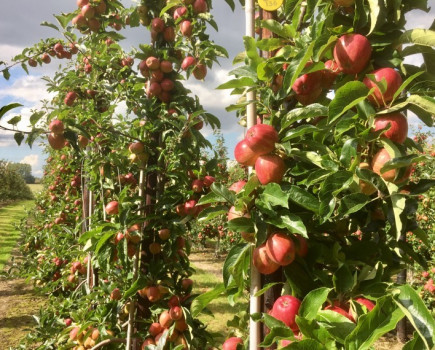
20, 27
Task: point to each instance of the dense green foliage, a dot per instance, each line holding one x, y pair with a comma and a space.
12, 184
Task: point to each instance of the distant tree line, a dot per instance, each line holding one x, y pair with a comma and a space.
13, 181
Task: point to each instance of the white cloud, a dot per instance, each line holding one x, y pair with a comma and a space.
9, 51
32, 159
29, 88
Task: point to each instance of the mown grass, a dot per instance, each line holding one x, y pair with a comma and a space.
9, 235
208, 275
36, 188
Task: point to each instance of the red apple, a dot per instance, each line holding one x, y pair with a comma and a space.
244, 154
367, 303
208, 180
237, 186
56, 127
167, 84
112, 208
231, 343
157, 24
169, 34
186, 28
280, 248
166, 66
200, 6
115, 294
285, 309
190, 207
165, 319
301, 245
56, 141
197, 186
155, 328
352, 53
179, 12
153, 63
393, 81
340, 310
176, 313
200, 71
270, 168
136, 147
379, 161
262, 261
330, 73
398, 124
88, 11
188, 62
261, 138
164, 234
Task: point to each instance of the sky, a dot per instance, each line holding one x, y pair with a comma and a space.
20, 27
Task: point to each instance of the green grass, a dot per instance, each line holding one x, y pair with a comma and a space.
222, 311
9, 235
36, 188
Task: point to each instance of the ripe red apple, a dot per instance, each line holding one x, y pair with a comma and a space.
234, 214
153, 294
330, 73
67, 322
112, 208
200, 6
262, 261
88, 11
147, 341
269, 168
186, 28
188, 62
190, 207
176, 313
153, 63
165, 319
261, 138
45, 57
80, 21
186, 284
197, 186
157, 24
169, 34
301, 245
73, 333
244, 154
280, 248
344, 3
393, 80
337, 308
200, 71
94, 24
285, 309
155, 328
208, 180
352, 53
154, 89
231, 343
237, 186
136, 147
155, 248
398, 131
82, 141
166, 66
179, 12
56, 141
157, 76
56, 126
167, 84
379, 161
164, 234
367, 303
115, 294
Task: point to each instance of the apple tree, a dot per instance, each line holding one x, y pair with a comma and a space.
327, 209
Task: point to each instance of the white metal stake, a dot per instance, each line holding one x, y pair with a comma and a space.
251, 119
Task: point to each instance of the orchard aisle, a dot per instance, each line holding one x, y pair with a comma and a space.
17, 302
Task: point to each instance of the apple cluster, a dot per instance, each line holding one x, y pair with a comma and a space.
57, 50
256, 150
91, 14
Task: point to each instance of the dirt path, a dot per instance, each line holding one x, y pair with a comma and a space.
206, 261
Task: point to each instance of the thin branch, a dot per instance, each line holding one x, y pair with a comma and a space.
109, 341
302, 15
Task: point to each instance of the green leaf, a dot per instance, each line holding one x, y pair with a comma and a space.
347, 97
352, 203
234, 265
415, 310
252, 52
241, 225
266, 288
273, 195
303, 198
343, 279
103, 240
211, 212
337, 325
15, 120
416, 343
375, 10
6, 74
170, 4
7, 108
349, 152
276, 334
299, 131
399, 202
305, 344
405, 85
371, 326
19, 137
311, 111
289, 221
223, 192
237, 83
422, 37
313, 302
201, 301
231, 4
295, 69
64, 19
51, 25
139, 284
35, 117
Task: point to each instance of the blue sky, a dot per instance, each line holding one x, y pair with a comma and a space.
29, 89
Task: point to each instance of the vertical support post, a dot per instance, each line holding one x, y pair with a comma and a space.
251, 118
